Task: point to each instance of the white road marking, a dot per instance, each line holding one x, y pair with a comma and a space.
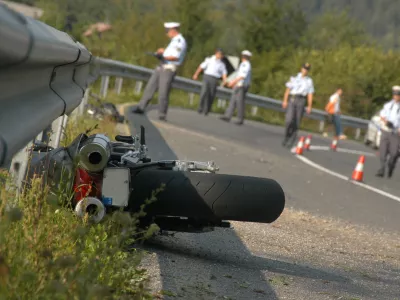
321, 168
368, 187
343, 150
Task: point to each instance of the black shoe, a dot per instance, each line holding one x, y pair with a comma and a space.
390, 173
162, 118
380, 173
138, 110
224, 119
239, 123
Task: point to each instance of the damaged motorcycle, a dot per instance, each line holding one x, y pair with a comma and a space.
111, 175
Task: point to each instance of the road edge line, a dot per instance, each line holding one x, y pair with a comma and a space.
361, 184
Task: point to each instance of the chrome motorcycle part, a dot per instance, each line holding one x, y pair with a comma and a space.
91, 206
95, 153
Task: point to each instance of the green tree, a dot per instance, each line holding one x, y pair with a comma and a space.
333, 29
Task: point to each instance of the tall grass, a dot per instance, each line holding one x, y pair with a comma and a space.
46, 252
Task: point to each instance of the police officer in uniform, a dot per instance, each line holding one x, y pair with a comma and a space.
214, 69
390, 139
299, 91
240, 86
163, 75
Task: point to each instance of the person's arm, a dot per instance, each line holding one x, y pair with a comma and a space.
309, 102
201, 68
384, 113
171, 58
286, 97
197, 73
310, 96
244, 70
224, 79
224, 75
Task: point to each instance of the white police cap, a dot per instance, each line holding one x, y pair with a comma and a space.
169, 25
246, 53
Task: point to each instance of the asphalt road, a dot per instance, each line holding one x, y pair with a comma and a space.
300, 256
306, 188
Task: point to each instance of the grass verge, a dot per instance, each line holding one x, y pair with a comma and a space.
46, 252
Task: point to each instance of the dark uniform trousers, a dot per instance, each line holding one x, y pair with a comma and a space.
237, 99
294, 115
160, 80
389, 144
207, 94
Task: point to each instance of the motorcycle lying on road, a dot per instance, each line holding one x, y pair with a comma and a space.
112, 175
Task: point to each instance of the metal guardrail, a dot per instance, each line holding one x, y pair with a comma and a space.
43, 75
109, 67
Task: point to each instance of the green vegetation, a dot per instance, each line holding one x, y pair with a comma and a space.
46, 252
281, 34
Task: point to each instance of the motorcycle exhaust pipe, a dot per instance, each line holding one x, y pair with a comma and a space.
95, 153
212, 197
91, 206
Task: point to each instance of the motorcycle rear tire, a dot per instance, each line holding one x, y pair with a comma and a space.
212, 197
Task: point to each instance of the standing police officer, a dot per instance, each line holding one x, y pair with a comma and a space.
390, 140
163, 75
214, 69
240, 87
299, 90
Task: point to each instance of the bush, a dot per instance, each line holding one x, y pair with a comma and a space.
46, 252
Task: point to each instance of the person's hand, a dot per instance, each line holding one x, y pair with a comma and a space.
223, 83
231, 84
195, 77
160, 51
284, 104
308, 110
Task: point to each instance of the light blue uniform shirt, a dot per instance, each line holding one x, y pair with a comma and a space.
244, 71
391, 112
213, 67
177, 48
300, 85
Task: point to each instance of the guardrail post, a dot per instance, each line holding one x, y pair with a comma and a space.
254, 110
358, 133
104, 86
321, 126
138, 87
19, 166
118, 85
221, 103
85, 99
191, 99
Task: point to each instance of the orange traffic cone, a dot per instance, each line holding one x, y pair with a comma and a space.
308, 142
334, 145
358, 172
300, 145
